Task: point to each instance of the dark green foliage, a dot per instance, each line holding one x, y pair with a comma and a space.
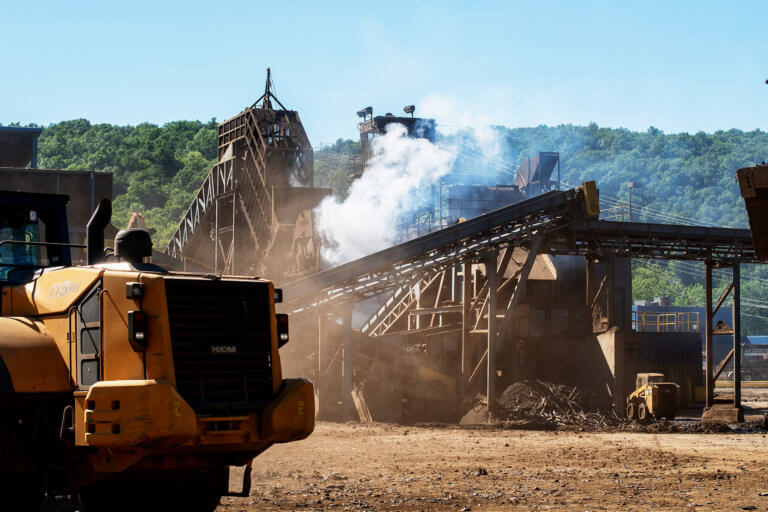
333, 165
156, 169
691, 176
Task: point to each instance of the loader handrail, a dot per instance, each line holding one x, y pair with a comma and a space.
55, 244
24, 242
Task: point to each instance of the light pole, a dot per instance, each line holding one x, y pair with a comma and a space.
630, 186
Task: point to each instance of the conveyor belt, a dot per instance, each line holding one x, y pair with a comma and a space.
660, 241
560, 215
469, 240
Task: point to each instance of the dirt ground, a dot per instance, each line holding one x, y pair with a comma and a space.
388, 467
349, 466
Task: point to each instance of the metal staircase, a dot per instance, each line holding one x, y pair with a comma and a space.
397, 306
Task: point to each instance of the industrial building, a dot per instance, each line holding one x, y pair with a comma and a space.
490, 284
19, 171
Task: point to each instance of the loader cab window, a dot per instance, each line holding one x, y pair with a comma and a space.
26, 220
17, 259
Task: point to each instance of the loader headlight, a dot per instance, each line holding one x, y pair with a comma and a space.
137, 330
282, 329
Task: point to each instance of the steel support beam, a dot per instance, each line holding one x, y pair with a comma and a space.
454, 283
347, 363
466, 321
722, 365
436, 311
600, 289
588, 275
216, 236
610, 292
319, 378
737, 335
492, 311
722, 299
710, 383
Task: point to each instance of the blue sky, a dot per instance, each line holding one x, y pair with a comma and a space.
679, 66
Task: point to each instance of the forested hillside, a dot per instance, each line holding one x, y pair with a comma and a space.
156, 169
684, 177
692, 176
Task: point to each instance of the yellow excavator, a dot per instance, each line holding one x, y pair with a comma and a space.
128, 385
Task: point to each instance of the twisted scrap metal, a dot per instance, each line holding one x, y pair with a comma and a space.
555, 403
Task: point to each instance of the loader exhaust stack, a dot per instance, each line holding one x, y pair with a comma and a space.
98, 221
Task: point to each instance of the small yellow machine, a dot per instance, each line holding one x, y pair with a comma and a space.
130, 385
653, 398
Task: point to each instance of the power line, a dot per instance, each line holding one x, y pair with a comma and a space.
720, 274
746, 302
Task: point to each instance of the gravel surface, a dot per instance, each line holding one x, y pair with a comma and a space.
461, 468
388, 467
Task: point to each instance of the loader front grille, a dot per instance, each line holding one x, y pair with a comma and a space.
221, 339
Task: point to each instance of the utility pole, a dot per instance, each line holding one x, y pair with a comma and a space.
630, 186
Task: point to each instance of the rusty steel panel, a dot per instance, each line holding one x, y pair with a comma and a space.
18, 146
753, 183
244, 218
537, 170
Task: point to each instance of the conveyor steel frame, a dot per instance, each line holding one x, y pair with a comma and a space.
467, 241
559, 214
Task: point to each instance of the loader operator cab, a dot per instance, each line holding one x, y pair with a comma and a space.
32, 227
643, 379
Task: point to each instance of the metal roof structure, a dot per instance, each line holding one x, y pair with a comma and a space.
18, 146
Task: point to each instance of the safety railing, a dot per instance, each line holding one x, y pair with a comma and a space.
654, 321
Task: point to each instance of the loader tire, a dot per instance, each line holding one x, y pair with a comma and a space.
642, 414
189, 494
631, 411
22, 492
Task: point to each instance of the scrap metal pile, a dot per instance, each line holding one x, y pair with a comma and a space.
538, 403
555, 404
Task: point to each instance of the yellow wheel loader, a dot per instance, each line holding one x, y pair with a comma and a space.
653, 398
126, 384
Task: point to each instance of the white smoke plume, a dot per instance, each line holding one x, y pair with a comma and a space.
455, 119
366, 221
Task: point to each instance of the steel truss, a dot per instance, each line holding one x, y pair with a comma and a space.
231, 224
560, 216
432, 280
